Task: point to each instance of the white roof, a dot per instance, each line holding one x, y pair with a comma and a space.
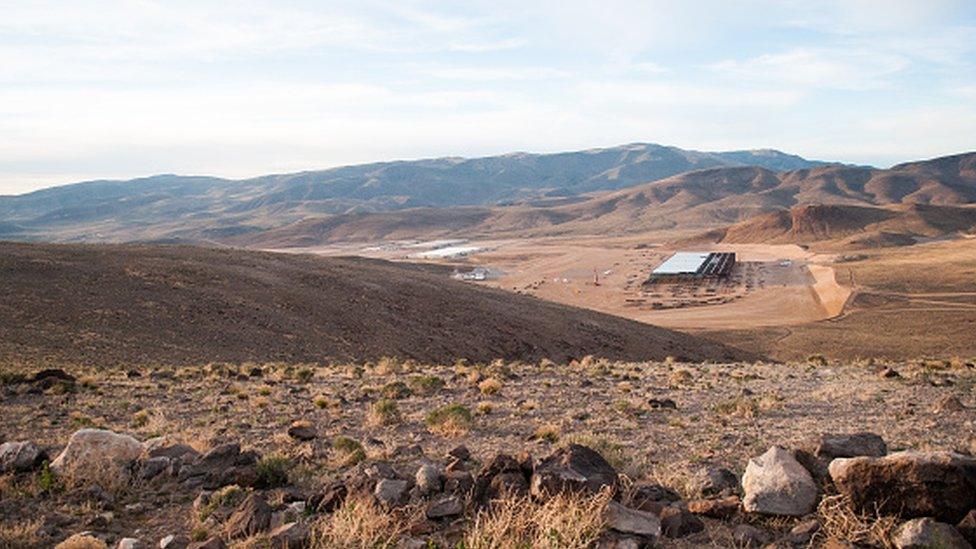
682, 262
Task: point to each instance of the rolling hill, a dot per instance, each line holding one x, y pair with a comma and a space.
207, 209
843, 199
151, 304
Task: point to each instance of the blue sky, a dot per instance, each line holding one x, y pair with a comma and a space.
102, 89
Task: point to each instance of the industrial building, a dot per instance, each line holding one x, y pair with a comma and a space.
693, 266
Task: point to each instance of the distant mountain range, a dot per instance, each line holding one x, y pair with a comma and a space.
184, 208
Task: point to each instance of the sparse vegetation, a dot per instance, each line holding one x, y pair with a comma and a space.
450, 420
383, 412
490, 386
425, 384
395, 390
347, 451
273, 471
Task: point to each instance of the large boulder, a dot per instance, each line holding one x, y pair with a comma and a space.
92, 453
816, 453
502, 475
573, 468
941, 485
776, 484
967, 527
925, 533
17, 457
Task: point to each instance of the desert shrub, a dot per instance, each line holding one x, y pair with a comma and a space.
228, 496
383, 412
82, 541
450, 420
47, 481
395, 390
565, 521
817, 360
140, 419
304, 374
739, 406
260, 401
347, 451
264, 391
548, 432
680, 377
490, 386
387, 366
425, 385
484, 408
272, 471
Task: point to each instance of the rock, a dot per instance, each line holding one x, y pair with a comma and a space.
776, 484
330, 499
503, 474
153, 467
302, 431
222, 466
161, 447
678, 523
174, 542
651, 497
212, 543
458, 482
802, 533
632, 521
948, 404
253, 516
941, 485
854, 445
429, 479
48, 378
967, 527
294, 535
19, 457
84, 540
721, 508
925, 533
461, 453
662, 403
130, 543
616, 540
889, 373
450, 506
714, 481
95, 452
391, 492
573, 468
746, 535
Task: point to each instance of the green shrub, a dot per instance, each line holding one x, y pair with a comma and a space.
348, 451
395, 390
450, 420
272, 471
425, 384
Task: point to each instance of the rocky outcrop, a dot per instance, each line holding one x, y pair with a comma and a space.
222, 466
941, 485
573, 468
253, 516
776, 484
18, 457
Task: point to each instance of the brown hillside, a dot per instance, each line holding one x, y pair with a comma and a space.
102, 305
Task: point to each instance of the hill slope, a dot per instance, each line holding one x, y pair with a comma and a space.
108, 304
212, 209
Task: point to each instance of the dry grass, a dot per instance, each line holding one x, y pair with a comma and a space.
840, 521
81, 541
358, 524
566, 521
450, 421
23, 534
383, 412
490, 386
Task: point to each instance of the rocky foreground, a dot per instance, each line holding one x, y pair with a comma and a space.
467, 463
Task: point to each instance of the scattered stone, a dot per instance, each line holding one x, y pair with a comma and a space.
253, 516
18, 457
461, 452
889, 373
776, 484
458, 482
802, 533
222, 466
678, 523
429, 479
450, 506
746, 535
174, 542
502, 475
948, 404
925, 533
91, 451
714, 481
854, 445
574, 468
161, 447
941, 485
153, 467
329, 499
616, 540
391, 492
294, 535
130, 543
967, 527
632, 521
721, 508
662, 403
651, 497
302, 431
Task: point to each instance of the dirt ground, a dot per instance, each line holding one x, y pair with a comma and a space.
725, 414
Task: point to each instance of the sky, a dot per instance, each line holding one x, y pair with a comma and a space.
120, 89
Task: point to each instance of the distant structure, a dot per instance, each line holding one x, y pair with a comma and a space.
691, 266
